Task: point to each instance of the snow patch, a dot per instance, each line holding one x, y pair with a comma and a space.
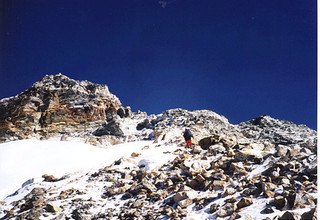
26, 159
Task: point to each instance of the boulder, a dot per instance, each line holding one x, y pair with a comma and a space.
282, 150
179, 196
52, 208
244, 202
144, 124
185, 203
124, 112
121, 112
49, 178
267, 210
218, 185
226, 210
279, 202
309, 215
291, 197
214, 207
206, 142
111, 128
287, 216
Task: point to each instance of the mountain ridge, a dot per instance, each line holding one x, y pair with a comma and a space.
264, 168
53, 104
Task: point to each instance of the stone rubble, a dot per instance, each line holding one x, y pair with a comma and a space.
229, 170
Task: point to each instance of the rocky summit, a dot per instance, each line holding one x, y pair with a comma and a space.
264, 168
56, 105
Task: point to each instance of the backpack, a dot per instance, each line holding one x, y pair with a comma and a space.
187, 134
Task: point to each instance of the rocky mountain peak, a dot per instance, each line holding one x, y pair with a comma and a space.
264, 167
58, 80
60, 83
56, 105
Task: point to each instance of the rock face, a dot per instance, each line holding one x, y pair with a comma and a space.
56, 105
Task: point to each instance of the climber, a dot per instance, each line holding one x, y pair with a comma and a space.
187, 137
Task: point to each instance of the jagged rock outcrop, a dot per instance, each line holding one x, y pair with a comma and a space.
56, 105
279, 132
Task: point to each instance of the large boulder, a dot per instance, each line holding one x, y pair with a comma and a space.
111, 128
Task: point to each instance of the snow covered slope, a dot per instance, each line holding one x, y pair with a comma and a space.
22, 160
147, 180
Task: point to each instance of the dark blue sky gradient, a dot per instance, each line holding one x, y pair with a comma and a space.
240, 59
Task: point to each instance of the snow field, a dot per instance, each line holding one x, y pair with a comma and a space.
26, 159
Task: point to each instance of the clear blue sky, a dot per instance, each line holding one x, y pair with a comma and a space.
240, 59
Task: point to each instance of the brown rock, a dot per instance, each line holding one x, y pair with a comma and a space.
279, 202
149, 186
185, 203
137, 204
218, 185
282, 150
236, 216
49, 178
196, 150
214, 207
196, 185
269, 194
200, 178
134, 154
52, 208
206, 142
238, 168
219, 176
229, 191
267, 186
167, 210
244, 202
55, 105
65, 194
179, 196
226, 210
230, 200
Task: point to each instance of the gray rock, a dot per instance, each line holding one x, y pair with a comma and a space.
111, 128
52, 208
179, 196
287, 216
267, 210
309, 215
145, 124
121, 112
226, 210
206, 142
279, 202
185, 203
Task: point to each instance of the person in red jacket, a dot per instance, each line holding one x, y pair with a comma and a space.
187, 137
